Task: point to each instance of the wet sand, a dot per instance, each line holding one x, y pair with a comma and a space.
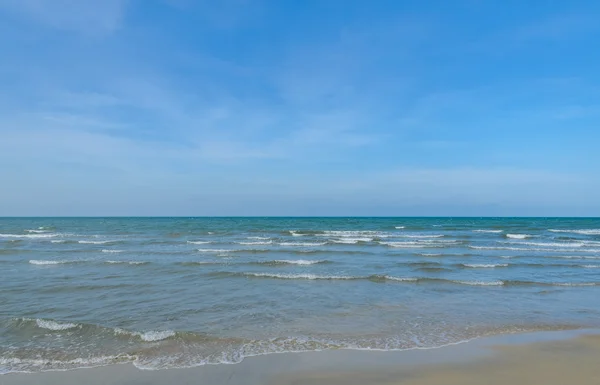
549, 358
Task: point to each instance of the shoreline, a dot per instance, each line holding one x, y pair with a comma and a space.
340, 366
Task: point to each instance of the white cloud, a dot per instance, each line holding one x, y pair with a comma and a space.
95, 17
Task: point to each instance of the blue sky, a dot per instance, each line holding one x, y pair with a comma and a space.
248, 107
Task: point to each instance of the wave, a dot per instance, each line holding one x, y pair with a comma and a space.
199, 242
372, 278
549, 244
127, 262
39, 231
198, 263
488, 231
351, 241
148, 336
31, 236
235, 350
295, 233
518, 236
573, 256
47, 324
430, 254
54, 326
256, 243
590, 266
58, 326
112, 251
354, 234
418, 244
295, 276
95, 242
303, 244
415, 280
483, 265
530, 249
216, 250
46, 262
433, 269
421, 264
400, 227
421, 236
478, 283
290, 262
581, 232
260, 238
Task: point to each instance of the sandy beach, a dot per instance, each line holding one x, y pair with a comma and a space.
547, 358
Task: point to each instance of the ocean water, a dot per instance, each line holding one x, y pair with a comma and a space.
181, 292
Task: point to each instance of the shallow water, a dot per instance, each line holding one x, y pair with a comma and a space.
175, 292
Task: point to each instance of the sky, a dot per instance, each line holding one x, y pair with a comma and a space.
299, 108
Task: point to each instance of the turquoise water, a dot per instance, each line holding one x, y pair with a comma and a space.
179, 292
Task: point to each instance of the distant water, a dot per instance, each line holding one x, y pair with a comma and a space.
180, 292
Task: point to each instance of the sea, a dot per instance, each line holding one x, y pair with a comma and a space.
182, 292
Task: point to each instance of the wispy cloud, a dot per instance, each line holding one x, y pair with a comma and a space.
194, 112
87, 16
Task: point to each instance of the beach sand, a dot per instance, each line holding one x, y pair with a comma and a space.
558, 358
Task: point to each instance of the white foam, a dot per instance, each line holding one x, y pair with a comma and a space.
530, 249
421, 236
518, 236
153, 336
488, 231
575, 256
480, 283
59, 241
36, 231
94, 242
256, 243
214, 250
298, 276
112, 251
199, 242
400, 279
431, 254
484, 265
354, 234
351, 241
419, 244
295, 234
25, 365
55, 326
400, 227
549, 244
30, 236
260, 238
127, 262
591, 266
581, 232
409, 245
298, 262
44, 262
302, 244
148, 336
